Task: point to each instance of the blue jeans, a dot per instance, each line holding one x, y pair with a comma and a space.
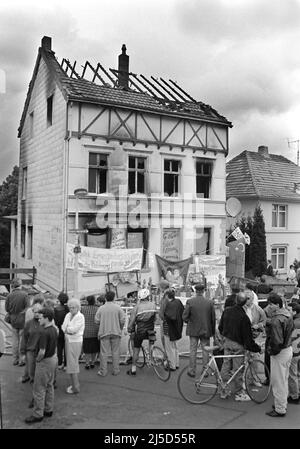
233, 348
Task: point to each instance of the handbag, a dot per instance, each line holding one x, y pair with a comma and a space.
7, 318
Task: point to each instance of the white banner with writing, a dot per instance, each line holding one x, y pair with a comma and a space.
105, 260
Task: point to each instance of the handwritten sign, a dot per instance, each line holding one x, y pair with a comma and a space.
105, 260
171, 244
118, 238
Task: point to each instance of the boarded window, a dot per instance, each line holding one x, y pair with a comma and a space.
97, 238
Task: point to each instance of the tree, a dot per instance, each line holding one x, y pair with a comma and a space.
8, 206
258, 246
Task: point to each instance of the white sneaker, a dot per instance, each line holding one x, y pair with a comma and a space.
256, 383
242, 397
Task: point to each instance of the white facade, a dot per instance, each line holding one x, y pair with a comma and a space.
58, 136
282, 233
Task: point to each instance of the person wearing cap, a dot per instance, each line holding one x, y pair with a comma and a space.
279, 346
294, 373
141, 321
16, 304
199, 314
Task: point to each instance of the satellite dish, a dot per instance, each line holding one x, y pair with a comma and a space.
233, 206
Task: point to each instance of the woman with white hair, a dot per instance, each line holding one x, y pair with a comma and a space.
73, 328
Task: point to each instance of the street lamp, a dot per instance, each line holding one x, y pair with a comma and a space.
79, 193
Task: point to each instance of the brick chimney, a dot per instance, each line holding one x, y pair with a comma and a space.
123, 68
46, 43
263, 151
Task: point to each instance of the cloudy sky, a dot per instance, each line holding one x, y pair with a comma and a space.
240, 56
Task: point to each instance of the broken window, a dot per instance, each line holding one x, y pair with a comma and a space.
98, 172
29, 240
202, 243
171, 177
203, 178
23, 237
31, 116
49, 110
24, 183
136, 174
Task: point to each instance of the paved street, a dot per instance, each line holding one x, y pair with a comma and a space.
141, 402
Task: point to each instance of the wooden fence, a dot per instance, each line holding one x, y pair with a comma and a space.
30, 272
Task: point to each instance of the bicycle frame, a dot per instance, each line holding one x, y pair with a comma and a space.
212, 361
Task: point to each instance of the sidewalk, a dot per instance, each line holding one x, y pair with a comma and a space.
141, 402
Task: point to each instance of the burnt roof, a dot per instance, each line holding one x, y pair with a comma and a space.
157, 96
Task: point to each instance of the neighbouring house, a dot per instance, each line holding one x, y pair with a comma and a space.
272, 181
124, 159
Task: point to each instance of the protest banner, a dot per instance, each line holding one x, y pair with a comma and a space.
105, 260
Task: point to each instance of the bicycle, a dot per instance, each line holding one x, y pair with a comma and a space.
207, 381
155, 357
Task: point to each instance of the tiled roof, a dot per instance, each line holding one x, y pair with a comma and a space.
84, 90
254, 175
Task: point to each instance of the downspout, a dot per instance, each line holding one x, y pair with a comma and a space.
65, 198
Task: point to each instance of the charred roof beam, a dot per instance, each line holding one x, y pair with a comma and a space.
166, 90
181, 90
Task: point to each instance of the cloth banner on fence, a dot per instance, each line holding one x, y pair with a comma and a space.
105, 260
213, 268
181, 265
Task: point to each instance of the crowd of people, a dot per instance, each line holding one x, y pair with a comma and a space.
53, 334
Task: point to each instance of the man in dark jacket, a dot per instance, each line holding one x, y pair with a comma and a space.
16, 304
199, 314
280, 348
231, 299
235, 327
172, 327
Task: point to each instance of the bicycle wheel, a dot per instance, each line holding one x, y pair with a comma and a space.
160, 363
199, 389
254, 381
141, 358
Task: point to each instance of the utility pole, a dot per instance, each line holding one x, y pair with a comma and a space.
297, 142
